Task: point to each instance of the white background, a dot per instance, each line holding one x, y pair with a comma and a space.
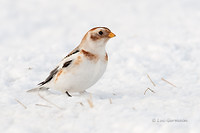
160, 38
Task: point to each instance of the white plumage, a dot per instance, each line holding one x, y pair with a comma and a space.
83, 67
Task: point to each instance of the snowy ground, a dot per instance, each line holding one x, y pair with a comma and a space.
160, 38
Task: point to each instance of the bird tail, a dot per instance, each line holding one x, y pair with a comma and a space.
37, 89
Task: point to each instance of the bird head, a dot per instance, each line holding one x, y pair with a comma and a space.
96, 38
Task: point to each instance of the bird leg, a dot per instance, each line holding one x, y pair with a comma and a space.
68, 94
85, 93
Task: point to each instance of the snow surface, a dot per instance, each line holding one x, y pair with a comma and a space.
160, 38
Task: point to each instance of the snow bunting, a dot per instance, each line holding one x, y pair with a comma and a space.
83, 67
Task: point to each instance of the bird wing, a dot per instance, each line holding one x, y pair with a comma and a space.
63, 64
76, 50
51, 75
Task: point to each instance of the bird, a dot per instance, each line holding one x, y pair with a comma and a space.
83, 66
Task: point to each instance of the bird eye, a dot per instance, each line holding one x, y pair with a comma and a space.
100, 33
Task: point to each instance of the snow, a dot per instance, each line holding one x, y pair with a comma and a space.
158, 37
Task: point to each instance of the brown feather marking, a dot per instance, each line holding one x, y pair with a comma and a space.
78, 61
99, 27
95, 37
89, 55
59, 73
106, 57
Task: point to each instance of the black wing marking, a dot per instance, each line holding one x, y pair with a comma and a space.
73, 52
54, 72
66, 64
51, 75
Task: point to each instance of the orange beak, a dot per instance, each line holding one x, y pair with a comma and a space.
111, 35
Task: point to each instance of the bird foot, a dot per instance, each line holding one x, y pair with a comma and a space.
68, 94
85, 93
